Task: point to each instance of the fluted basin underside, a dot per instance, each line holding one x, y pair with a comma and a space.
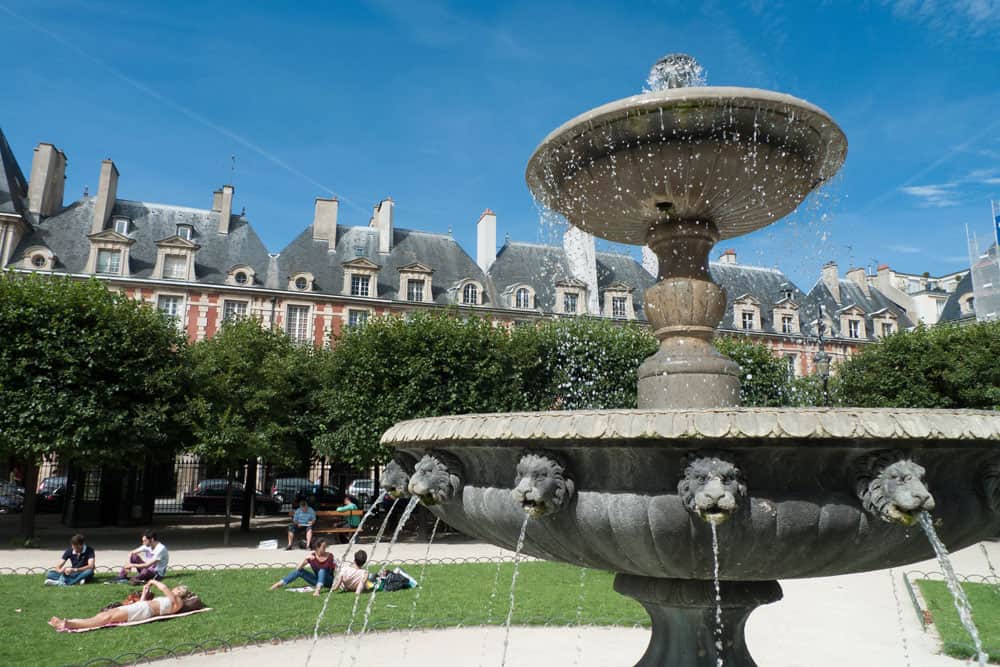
740, 157
799, 517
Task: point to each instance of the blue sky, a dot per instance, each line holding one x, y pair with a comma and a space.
439, 105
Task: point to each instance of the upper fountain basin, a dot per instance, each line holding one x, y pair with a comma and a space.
739, 157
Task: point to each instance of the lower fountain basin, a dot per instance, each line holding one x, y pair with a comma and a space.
800, 515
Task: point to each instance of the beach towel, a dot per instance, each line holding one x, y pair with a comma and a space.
148, 620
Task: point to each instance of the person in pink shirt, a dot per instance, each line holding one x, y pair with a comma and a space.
353, 577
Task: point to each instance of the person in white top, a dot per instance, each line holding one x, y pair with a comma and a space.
149, 560
174, 601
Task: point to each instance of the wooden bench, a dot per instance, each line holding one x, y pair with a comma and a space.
332, 516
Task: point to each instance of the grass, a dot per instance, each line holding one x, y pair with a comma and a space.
243, 609
985, 601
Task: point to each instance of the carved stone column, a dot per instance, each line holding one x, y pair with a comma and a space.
684, 308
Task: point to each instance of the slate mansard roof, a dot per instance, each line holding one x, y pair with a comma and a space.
851, 294
13, 187
450, 264
66, 235
766, 285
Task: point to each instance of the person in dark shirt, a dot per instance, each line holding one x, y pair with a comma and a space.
76, 567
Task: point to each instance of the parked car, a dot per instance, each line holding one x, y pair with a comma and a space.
290, 490
11, 498
363, 490
52, 494
286, 489
323, 498
209, 497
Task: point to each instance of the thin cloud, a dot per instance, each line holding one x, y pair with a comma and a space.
966, 18
941, 195
905, 249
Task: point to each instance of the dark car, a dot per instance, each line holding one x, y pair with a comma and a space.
52, 494
11, 498
209, 497
286, 489
325, 498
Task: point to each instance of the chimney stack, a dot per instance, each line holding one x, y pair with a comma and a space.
107, 193
222, 202
728, 257
859, 278
486, 240
325, 222
48, 178
884, 278
382, 222
832, 280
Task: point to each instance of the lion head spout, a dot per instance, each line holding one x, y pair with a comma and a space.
891, 486
396, 477
541, 485
436, 478
712, 486
991, 484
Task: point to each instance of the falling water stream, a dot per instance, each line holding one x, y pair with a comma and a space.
354, 608
579, 617
410, 506
957, 593
719, 647
420, 586
326, 599
513, 585
492, 604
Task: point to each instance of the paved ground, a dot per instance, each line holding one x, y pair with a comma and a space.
820, 622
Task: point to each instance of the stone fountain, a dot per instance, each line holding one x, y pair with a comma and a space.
791, 492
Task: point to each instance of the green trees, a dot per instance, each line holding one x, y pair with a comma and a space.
89, 375
940, 367
764, 380
251, 397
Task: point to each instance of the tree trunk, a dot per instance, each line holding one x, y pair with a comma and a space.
229, 505
30, 498
249, 495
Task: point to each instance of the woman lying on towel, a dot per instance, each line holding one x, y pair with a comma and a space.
172, 602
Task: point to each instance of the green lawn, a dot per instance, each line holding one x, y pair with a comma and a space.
985, 601
547, 593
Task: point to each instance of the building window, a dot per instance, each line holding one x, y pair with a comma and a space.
618, 307
109, 261
297, 323
169, 305
853, 329
175, 266
234, 310
185, 231
359, 284
241, 277
121, 226
887, 328
357, 318
414, 290
38, 261
790, 365
747, 320
569, 302
359, 251
522, 298
301, 283
940, 307
470, 295
786, 324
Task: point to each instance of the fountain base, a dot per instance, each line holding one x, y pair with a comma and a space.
683, 614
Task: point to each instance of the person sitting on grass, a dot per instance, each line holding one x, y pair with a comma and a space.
76, 566
322, 564
353, 577
173, 601
303, 519
149, 560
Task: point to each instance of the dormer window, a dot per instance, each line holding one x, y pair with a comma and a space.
121, 225
241, 274
109, 262
470, 294
618, 307
618, 301
175, 258
39, 261
746, 313
787, 324
240, 277
747, 320
570, 302
175, 267
887, 329
415, 283
360, 284
852, 321
853, 328
571, 296
301, 282
38, 258
185, 232
359, 251
522, 298
360, 278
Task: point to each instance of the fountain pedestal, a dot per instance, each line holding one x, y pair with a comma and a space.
684, 623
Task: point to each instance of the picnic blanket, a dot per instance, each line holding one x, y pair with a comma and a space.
148, 620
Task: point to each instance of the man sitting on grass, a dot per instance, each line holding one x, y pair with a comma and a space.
76, 566
149, 560
353, 577
302, 520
